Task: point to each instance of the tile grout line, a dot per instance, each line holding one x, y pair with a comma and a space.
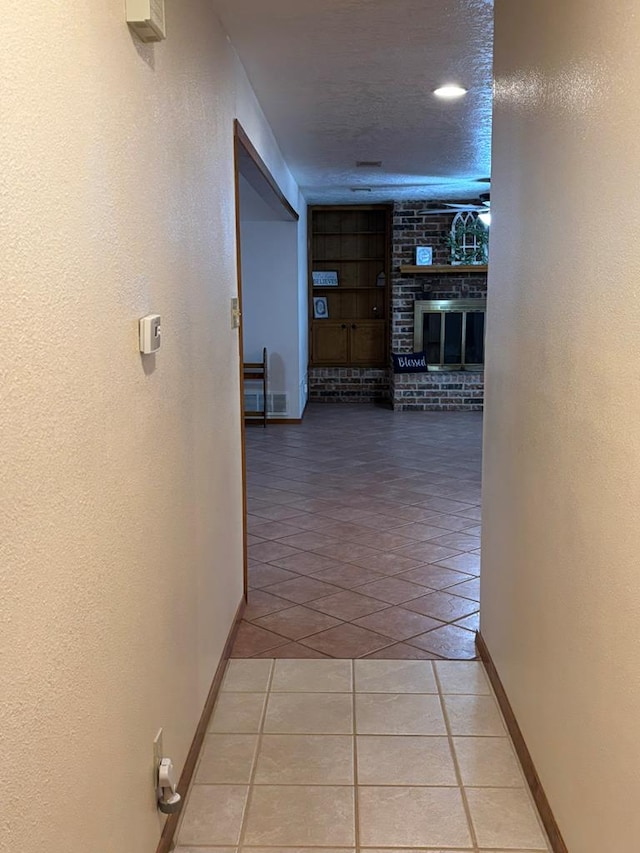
463, 794
256, 756
354, 728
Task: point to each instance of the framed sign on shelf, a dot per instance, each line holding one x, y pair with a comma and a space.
320, 308
424, 256
324, 278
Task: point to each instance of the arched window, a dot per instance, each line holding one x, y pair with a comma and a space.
469, 240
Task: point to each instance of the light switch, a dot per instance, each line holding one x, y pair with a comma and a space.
150, 334
236, 314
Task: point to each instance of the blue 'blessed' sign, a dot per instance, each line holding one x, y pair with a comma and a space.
412, 362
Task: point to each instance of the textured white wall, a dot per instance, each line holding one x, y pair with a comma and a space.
270, 304
120, 488
303, 305
560, 583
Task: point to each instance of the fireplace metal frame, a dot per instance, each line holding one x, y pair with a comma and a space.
443, 307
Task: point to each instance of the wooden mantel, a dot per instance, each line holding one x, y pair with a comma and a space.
444, 269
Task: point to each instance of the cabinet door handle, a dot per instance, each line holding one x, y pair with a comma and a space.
353, 326
344, 326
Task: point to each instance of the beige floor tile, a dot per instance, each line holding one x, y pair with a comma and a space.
226, 759
213, 815
309, 713
405, 760
504, 817
474, 715
301, 816
379, 676
462, 677
330, 676
300, 850
247, 676
205, 850
418, 850
238, 712
488, 762
398, 714
412, 817
305, 760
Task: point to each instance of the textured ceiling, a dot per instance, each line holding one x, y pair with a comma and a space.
347, 80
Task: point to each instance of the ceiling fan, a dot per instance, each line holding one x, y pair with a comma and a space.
436, 207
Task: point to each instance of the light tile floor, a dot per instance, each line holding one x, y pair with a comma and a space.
364, 536
339, 755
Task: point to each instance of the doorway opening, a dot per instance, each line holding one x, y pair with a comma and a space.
266, 312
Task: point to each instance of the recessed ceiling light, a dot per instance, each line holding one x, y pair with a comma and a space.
449, 92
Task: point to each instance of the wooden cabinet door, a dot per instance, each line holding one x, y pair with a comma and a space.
368, 342
330, 342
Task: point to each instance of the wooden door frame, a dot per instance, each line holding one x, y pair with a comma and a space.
248, 162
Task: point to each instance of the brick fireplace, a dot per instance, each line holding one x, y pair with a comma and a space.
434, 391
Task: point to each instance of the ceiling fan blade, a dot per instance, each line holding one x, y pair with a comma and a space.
457, 209
434, 210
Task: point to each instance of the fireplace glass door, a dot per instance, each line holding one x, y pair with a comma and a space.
451, 333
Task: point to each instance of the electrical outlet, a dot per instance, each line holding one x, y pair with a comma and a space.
235, 313
158, 753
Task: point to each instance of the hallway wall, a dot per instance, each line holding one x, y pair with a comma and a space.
120, 488
560, 581
270, 305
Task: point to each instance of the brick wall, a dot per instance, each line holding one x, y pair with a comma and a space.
456, 390
452, 391
348, 384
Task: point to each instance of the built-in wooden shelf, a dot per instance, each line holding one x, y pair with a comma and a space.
332, 287
444, 269
349, 234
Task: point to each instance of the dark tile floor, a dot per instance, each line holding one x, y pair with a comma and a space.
364, 535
